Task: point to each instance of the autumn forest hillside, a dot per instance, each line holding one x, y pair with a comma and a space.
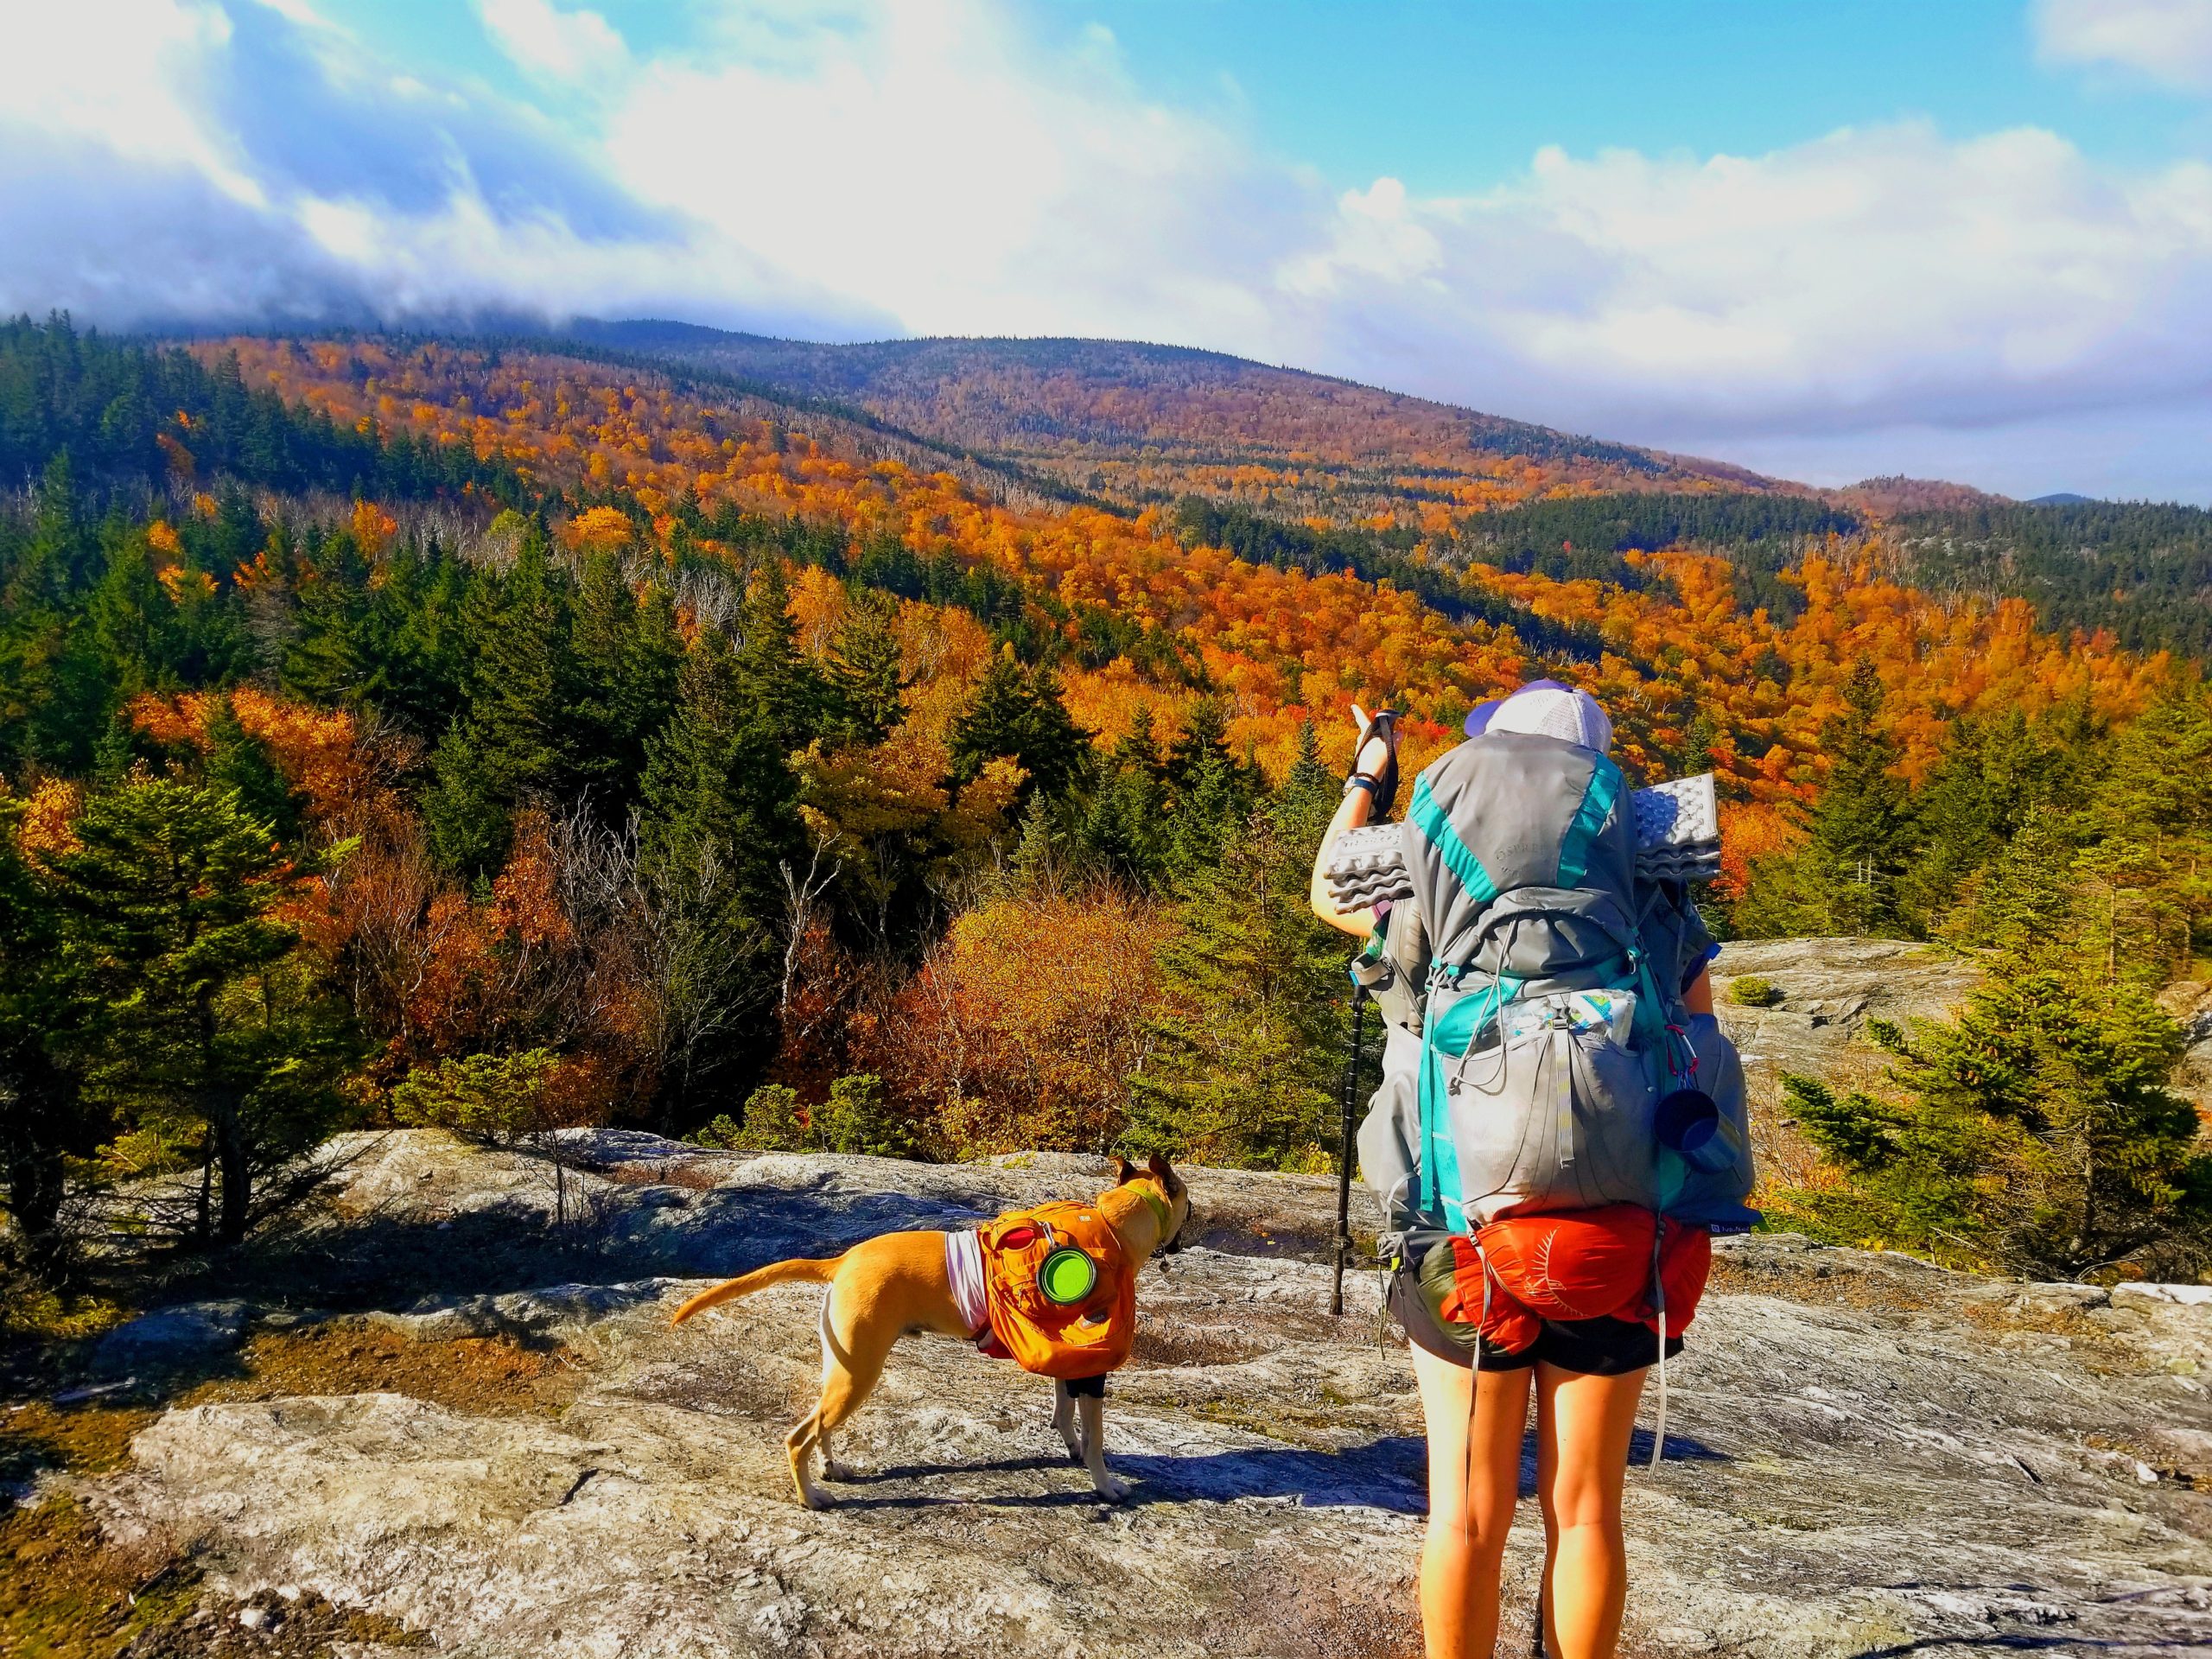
920, 748
1138, 424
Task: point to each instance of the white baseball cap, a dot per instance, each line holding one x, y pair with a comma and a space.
1547, 709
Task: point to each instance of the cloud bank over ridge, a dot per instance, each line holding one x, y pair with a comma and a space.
863, 167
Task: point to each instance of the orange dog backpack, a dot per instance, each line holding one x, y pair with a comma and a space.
1062, 1300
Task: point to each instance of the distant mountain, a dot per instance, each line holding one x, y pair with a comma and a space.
1885, 498
1145, 424
2060, 498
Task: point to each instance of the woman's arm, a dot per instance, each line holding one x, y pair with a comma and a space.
1358, 806
1697, 995
1351, 815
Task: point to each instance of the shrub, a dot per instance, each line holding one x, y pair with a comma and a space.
489, 1097
721, 1133
1750, 991
858, 1118
773, 1121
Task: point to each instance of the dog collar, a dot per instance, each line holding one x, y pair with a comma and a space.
1160, 1213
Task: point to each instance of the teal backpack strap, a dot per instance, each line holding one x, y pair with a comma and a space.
1580, 844
1428, 816
1450, 1032
1434, 1148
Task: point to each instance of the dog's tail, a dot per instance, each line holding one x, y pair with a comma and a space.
801, 1271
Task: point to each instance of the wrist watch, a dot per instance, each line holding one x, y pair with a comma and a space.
1361, 781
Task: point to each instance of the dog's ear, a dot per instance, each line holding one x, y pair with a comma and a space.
1170, 1182
1124, 1171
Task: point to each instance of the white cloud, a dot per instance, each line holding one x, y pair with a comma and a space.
1862, 278
562, 46
923, 158
137, 92
867, 167
1376, 235
2168, 41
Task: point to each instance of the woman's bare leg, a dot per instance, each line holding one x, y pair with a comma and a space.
1467, 1522
1583, 1427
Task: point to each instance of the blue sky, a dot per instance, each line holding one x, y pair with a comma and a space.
1444, 94
1970, 239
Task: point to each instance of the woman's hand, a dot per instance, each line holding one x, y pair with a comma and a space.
1377, 759
1378, 754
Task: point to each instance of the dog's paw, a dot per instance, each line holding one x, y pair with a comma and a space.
810, 1497
1112, 1488
833, 1470
1073, 1442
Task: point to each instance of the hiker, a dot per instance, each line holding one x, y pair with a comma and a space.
1545, 1010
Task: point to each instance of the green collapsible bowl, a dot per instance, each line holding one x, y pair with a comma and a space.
1066, 1276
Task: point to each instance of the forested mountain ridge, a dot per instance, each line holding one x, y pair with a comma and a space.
1147, 425
1278, 632
1142, 423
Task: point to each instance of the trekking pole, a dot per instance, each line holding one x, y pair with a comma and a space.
1350, 1107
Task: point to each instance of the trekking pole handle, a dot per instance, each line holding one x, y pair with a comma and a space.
1349, 1106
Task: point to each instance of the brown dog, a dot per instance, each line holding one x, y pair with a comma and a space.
894, 1283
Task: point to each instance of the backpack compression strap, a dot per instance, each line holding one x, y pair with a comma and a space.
1580, 844
1430, 818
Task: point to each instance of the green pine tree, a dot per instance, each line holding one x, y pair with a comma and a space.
1201, 747
1036, 859
240, 762
1963, 816
1697, 744
1845, 879
1122, 832
867, 675
1247, 1055
628, 654
131, 618
1016, 713
45, 1119
718, 825
1860, 829
2035, 1131
1209, 815
2023, 900
57, 690
212, 1031
518, 738
333, 657
780, 683
1309, 794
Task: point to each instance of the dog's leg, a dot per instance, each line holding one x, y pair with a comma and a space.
1064, 1419
831, 1469
1094, 1450
806, 1433
850, 1368
851, 1364
843, 1395
800, 1443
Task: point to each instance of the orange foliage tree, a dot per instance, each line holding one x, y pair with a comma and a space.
1028, 1019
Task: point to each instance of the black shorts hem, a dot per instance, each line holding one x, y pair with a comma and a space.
1603, 1347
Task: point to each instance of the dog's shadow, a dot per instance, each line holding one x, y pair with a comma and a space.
1389, 1474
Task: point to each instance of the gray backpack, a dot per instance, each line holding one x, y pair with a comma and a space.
1556, 1061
